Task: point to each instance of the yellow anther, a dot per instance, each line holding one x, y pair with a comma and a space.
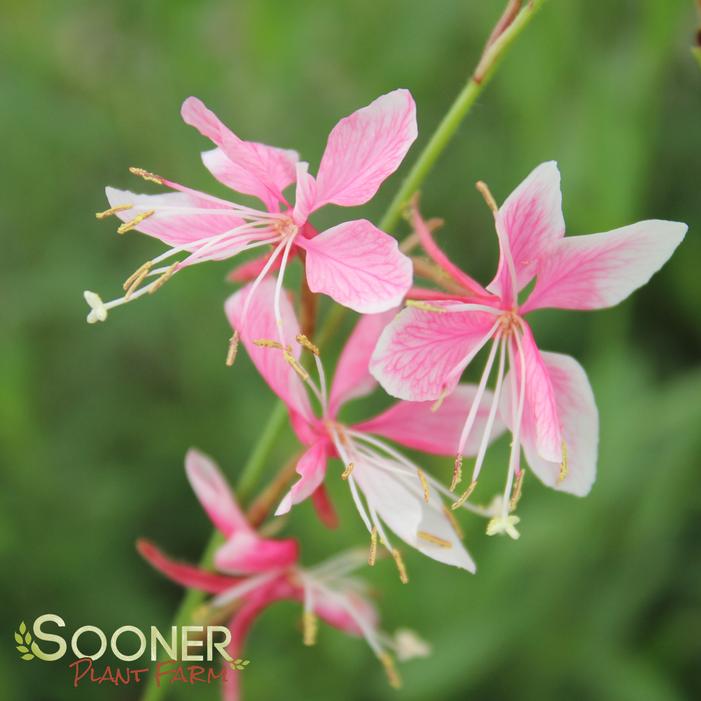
304, 341
295, 365
146, 175
136, 279
464, 496
233, 349
457, 473
439, 402
348, 471
516, 491
424, 484
155, 286
454, 522
430, 538
310, 628
137, 274
424, 306
563, 465
268, 343
488, 198
372, 557
393, 677
113, 210
403, 577
129, 225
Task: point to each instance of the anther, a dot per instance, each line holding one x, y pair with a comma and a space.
347, 472
155, 286
403, 578
268, 343
464, 496
310, 628
563, 465
488, 198
424, 306
136, 280
295, 365
233, 348
129, 225
137, 274
430, 538
457, 473
424, 484
304, 341
453, 522
146, 175
372, 556
393, 677
516, 491
113, 210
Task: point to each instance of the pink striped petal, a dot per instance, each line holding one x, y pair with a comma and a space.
311, 469
214, 493
415, 425
260, 324
352, 378
364, 148
247, 553
251, 269
421, 354
305, 194
529, 222
601, 270
358, 266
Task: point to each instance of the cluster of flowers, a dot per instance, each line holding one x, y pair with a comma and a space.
417, 354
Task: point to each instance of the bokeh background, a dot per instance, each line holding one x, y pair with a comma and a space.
600, 597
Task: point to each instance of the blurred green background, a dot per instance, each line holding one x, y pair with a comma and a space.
600, 597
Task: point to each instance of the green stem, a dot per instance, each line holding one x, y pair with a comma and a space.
445, 131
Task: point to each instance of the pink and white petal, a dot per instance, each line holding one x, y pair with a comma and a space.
214, 493
343, 609
186, 575
311, 469
352, 378
260, 324
421, 354
529, 222
251, 269
324, 507
358, 266
366, 147
416, 426
255, 169
600, 270
248, 553
178, 218
305, 194
580, 428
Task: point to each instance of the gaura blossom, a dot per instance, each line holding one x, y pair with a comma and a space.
355, 263
545, 398
254, 572
386, 487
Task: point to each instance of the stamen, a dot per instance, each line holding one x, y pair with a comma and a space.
453, 522
563, 465
488, 198
310, 627
136, 280
429, 537
393, 677
457, 473
295, 364
146, 175
372, 557
403, 578
268, 343
516, 493
424, 306
129, 225
424, 484
439, 402
464, 496
306, 343
113, 210
348, 471
155, 286
138, 273
233, 349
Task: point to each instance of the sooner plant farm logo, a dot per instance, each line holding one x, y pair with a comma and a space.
186, 654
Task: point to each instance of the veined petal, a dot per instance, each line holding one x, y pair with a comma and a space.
358, 266
364, 148
601, 270
251, 269
352, 378
305, 194
421, 354
416, 426
260, 324
529, 222
214, 493
248, 553
311, 469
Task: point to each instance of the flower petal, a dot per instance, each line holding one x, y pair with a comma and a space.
214, 493
248, 553
358, 266
311, 469
260, 324
364, 148
529, 222
601, 270
352, 378
305, 194
324, 507
421, 354
251, 269
416, 426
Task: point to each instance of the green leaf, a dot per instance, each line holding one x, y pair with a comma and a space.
22, 648
22, 628
28, 656
28, 638
18, 638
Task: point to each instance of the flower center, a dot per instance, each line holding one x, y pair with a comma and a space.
285, 228
509, 322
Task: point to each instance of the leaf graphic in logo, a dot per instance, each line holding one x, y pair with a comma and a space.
239, 664
24, 639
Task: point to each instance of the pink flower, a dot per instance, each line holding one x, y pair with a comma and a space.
545, 398
387, 487
254, 572
355, 263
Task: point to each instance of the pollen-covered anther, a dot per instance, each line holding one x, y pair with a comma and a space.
453, 522
155, 286
430, 538
484, 190
424, 485
395, 681
403, 577
348, 471
268, 343
310, 628
132, 283
457, 473
129, 225
146, 175
516, 491
233, 349
306, 343
113, 210
295, 364
563, 465
464, 496
424, 306
372, 556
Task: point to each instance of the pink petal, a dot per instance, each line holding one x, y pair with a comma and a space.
179, 218
529, 222
358, 266
414, 425
324, 507
187, 575
364, 148
601, 270
305, 194
333, 608
260, 324
251, 269
214, 493
247, 553
311, 469
254, 169
421, 353
580, 427
352, 378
